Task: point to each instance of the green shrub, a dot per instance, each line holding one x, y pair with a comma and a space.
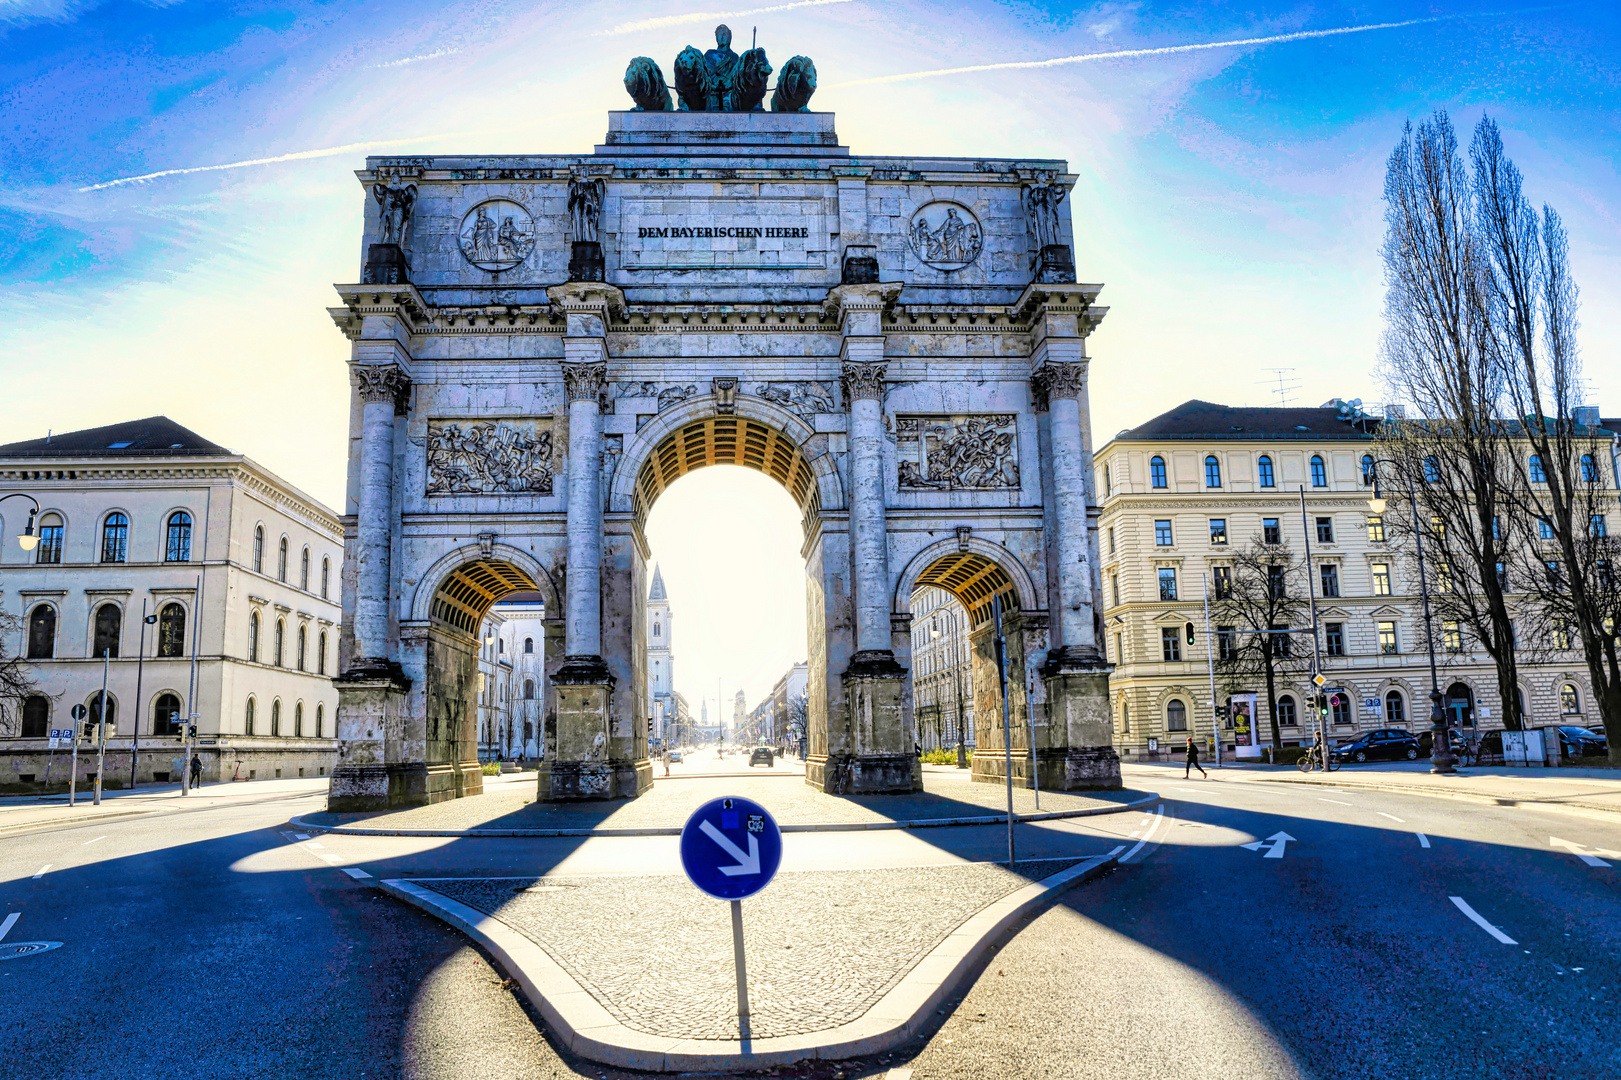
492, 768
940, 757
1283, 755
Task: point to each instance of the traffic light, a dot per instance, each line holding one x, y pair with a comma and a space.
1190, 633
1322, 705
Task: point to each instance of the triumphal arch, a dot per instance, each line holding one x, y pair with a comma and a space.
541, 345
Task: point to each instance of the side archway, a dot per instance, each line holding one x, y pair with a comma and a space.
459, 589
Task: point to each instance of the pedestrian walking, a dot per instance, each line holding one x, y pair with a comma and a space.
1193, 761
196, 770
665, 757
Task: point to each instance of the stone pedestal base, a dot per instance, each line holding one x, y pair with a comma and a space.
371, 710
1056, 265
1078, 706
867, 774
385, 265
586, 262
567, 781
581, 764
1086, 769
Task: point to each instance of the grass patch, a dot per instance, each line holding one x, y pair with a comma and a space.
492, 768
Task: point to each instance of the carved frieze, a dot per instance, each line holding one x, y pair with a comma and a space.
863, 379
666, 394
490, 457
957, 452
804, 399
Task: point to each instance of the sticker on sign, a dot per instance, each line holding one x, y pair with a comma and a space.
731, 848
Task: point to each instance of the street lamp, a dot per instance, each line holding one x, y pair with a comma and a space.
26, 538
1441, 744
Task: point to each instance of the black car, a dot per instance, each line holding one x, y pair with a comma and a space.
1426, 739
762, 755
1580, 742
1386, 744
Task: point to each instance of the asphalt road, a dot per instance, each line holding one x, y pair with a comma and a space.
213, 939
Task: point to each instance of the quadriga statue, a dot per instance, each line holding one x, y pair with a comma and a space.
644, 82
748, 90
795, 86
692, 80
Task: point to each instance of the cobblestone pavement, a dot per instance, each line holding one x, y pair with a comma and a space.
946, 794
822, 947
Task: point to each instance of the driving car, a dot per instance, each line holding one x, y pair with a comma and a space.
761, 755
1387, 744
675, 755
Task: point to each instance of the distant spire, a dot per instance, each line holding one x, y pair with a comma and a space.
657, 592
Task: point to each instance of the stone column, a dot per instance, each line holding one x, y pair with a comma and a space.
382, 389
864, 389
584, 375
1063, 384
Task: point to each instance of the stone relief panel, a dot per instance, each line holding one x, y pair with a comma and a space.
945, 235
804, 399
496, 235
493, 457
960, 452
666, 394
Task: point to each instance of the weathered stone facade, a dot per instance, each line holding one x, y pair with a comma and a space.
737, 320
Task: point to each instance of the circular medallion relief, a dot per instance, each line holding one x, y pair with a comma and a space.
497, 235
945, 235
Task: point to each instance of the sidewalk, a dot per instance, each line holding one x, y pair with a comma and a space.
36, 811
949, 797
1579, 789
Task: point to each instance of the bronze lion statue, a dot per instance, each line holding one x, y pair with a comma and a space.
795, 86
644, 82
753, 73
692, 80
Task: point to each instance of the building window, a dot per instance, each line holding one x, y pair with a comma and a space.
1395, 708
36, 716
1111, 540
95, 717
253, 638
303, 639
304, 570
1325, 530
1432, 470
1266, 472
320, 654
1539, 475
1125, 718
1544, 529
1226, 643
298, 720
529, 689
1376, 529
1218, 531
1330, 575
1119, 649
1176, 716
172, 631
1286, 710
1569, 700
1367, 470
1319, 474
1170, 644
1334, 638
247, 719
1162, 533
1589, 469
1561, 634
1223, 578
281, 632
1212, 472
326, 572
259, 549
1114, 585
1387, 638
281, 560
1108, 482
320, 721
115, 538
1277, 582
50, 540
109, 624
1156, 472
1271, 532
177, 538
528, 645
1167, 583
1596, 527
1282, 643
1381, 579
275, 719
655, 629
166, 716
1339, 708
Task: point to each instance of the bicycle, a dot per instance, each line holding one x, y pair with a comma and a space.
1469, 752
1317, 757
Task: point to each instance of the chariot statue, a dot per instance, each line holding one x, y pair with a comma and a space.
721, 80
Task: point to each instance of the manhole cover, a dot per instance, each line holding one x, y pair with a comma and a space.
14, 949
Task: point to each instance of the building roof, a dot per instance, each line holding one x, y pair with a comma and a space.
657, 591
156, 436
1206, 420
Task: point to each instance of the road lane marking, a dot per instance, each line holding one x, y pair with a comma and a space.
1115, 852
313, 846
41, 872
1392, 817
1579, 850
357, 873
1336, 802
1474, 917
1423, 841
1159, 816
301, 836
11, 920
1274, 845
87, 843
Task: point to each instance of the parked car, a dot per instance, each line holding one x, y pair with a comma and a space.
1426, 739
1579, 741
1385, 744
675, 755
762, 755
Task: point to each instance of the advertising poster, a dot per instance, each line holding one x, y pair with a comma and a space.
1245, 736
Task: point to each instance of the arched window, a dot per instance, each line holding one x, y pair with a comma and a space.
247, 719
1319, 473
1539, 475
320, 721
259, 549
281, 560
172, 631
36, 716
1569, 700
1286, 710
281, 634
303, 638
42, 633
94, 718
1395, 708
1589, 469
275, 718
304, 570
1367, 470
177, 540
109, 624
1156, 471
115, 538
320, 655
1176, 716
253, 638
50, 540
529, 689
1212, 472
1264, 468
326, 572
166, 715
298, 720
528, 644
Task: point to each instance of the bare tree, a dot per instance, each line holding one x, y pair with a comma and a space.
1439, 358
16, 681
1261, 592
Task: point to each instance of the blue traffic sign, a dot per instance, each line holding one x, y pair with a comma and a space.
731, 848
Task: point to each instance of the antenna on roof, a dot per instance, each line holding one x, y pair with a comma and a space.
1287, 385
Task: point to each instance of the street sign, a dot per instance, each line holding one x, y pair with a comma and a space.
79, 712
1319, 678
731, 848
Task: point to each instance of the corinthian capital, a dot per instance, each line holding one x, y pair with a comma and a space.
863, 379
1058, 380
382, 382
585, 382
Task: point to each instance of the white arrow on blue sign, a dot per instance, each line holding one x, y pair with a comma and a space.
731, 848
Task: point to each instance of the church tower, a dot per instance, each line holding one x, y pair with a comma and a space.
660, 657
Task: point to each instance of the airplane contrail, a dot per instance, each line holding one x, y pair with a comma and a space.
298, 155
1128, 54
415, 59
705, 16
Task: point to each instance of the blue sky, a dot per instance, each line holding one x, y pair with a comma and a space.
1229, 197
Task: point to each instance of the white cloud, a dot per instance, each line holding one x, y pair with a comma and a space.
706, 16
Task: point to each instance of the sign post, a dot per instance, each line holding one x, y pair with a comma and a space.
730, 849
78, 712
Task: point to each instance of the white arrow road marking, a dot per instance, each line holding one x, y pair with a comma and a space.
748, 862
1423, 841
1579, 850
1276, 841
11, 920
1474, 917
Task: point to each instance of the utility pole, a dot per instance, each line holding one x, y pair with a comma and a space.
140, 661
1316, 649
191, 690
1210, 661
101, 728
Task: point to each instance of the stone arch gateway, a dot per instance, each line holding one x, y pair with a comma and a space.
541, 345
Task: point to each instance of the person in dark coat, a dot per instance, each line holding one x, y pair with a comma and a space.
1193, 761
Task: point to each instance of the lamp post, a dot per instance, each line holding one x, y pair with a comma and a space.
140, 661
26, 539
1441, 744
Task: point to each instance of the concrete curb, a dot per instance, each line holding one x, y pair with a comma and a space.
1436, 793
71, 819
857, 826
579, 1020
